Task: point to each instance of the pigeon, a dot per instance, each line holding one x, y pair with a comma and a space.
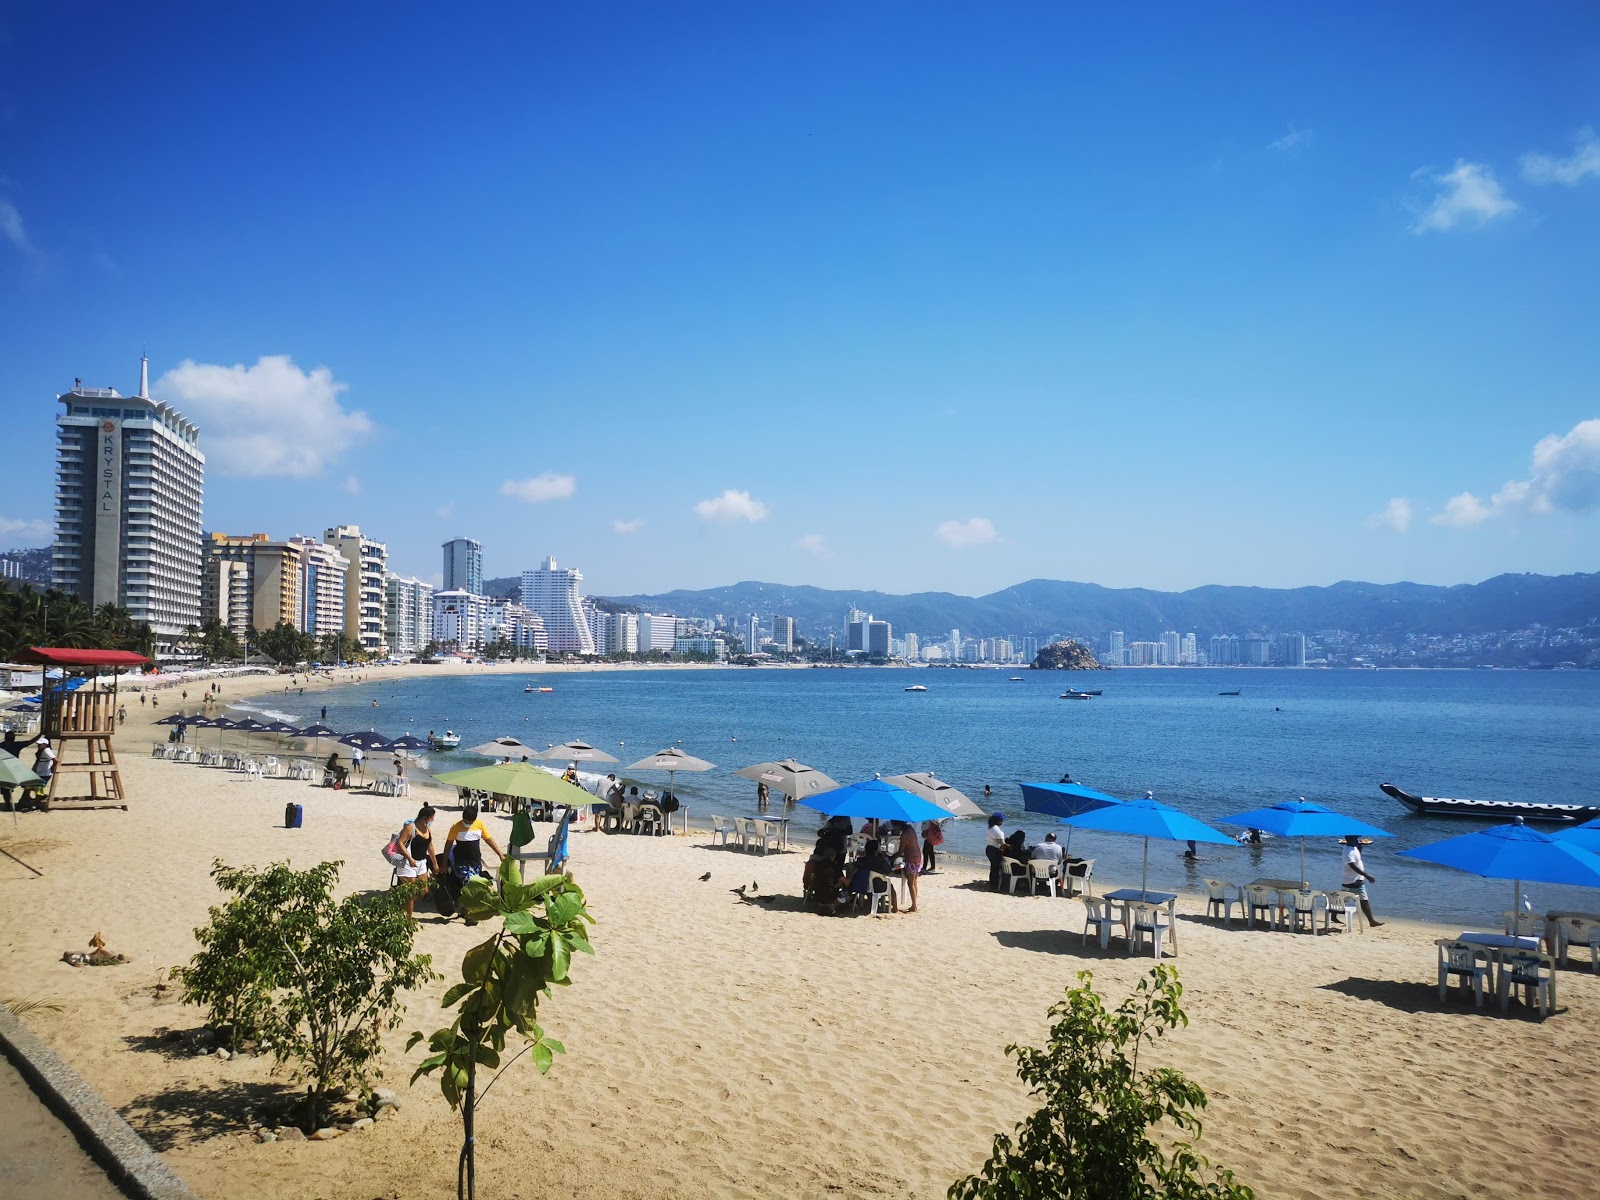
705, 877
755, 887
739, 891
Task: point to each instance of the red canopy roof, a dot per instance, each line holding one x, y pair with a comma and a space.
62, 657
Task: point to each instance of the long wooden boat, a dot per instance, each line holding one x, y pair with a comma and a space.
1501, 810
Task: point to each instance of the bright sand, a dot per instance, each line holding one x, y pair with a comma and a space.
718, 1047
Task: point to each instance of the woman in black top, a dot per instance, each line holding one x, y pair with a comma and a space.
416, 843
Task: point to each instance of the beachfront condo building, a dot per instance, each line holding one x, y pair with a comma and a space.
752, 634
616, 633
556, 594
459, 619
249, 582
657, 631
913, 647
507, 621
130, 481
463, 566
407, 615
783, 634
322, 579
366, 564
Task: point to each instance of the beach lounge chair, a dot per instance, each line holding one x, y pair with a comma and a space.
1261, 900
1468, 963
1041, 875
1523, 924
1305, 911
1101, 915
1221, 896
1535, 974
1148, 921
554, 854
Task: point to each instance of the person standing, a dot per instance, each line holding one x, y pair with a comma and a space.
763, 794
932, 839
324, 712
1356, 877
911, 861
417, 857
359, 760
994, 846
44, 765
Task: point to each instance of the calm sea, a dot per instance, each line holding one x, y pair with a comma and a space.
1329, 736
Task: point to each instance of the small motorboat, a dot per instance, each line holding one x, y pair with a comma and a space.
443, 741
916, 687
1493, 810
1016, 679
547, 689
1234, 693
1095, 693
528, 691
1079, 695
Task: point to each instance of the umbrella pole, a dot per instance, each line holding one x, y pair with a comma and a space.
1144, 877
1302, 860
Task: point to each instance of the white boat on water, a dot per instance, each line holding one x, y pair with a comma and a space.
916, 687
443, 741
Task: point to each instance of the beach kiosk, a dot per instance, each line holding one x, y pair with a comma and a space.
79, 716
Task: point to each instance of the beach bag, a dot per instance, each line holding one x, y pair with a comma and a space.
934, 835
392, 854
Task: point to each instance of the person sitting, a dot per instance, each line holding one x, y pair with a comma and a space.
1049, 851
1016, 847
835, 836
333, 775
823, 877
571, 775
872, 862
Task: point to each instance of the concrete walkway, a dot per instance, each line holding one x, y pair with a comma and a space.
38, 1154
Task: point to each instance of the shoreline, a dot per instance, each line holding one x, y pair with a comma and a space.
744, 1049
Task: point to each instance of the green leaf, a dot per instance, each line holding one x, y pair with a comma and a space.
487, 1057
555, 1045
563, 909
560, 957
521, 924
543, 1057
477, 961
536, 947
414, 1039
576, 941
454, 994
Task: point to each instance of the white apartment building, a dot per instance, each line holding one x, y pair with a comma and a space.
556, 594
366, 565
913, 647
657, 631
322, 579
783, 634
714, 647
1188, 652
752, 640
459, 618
463, 565
408, 615
508, 621
618, 633
130, 482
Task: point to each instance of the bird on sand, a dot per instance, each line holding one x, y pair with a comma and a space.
705, 877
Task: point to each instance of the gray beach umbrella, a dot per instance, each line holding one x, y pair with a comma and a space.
671, 760
576, 751
930, 787
505, 747
792, 779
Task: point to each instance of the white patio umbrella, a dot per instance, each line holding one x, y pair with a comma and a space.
671, 760
576, 751
792, 779
929, 786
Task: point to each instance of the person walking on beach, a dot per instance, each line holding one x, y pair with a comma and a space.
359, 760
994, 846
415, 843
1356, 877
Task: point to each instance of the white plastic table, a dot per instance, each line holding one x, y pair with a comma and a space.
1497, 944
1127, 896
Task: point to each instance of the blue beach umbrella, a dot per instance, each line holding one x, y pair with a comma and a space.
370, 739
1148, 818
1302, 819
1585, 836
1514, 852
875, 798
316, 733
1063, 800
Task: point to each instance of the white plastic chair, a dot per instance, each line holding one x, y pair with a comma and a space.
1535, 974
880, 889
1016, 874
1575, 931
252, 771
720, 831
158, 750
1219, 902
1147, 921
1259, 900
1041, 875
1347, 903
1083, 872
1523, 924
1100, 915
1305, 910
1468, 963
746, 830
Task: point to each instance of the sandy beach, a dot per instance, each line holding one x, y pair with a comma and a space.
719, 1047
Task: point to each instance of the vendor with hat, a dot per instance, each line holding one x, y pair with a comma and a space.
1356, 876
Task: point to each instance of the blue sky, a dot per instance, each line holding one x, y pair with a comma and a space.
889, 296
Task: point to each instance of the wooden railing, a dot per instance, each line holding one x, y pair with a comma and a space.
79, 712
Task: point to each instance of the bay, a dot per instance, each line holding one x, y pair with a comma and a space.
1329, 736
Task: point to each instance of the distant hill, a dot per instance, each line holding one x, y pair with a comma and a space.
1050, 609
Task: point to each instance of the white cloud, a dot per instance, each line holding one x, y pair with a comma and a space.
1565, 477
1397, 515
732, 506
1463, 512
814, 543
626, 527
973, 532
1292, 140
1583, 162
443, 512
538, 489
1468, 195
269, 419
11, 227
25, 533
352, 485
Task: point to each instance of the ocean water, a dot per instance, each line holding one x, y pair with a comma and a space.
1329, 736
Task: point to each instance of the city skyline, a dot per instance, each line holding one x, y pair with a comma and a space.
1022, 293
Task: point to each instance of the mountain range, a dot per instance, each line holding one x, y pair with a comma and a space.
1047, 608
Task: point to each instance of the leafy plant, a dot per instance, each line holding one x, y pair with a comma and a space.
502, 979
318, 977
21, 1006
1094, 1138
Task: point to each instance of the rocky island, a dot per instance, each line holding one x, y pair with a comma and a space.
1066, 656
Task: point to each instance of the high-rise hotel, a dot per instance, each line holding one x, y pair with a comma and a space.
130, 481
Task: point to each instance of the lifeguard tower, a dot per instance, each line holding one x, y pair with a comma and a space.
79, 717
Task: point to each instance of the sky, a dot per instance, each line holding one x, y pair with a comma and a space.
893, 296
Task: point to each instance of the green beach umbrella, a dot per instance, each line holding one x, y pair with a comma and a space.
523, 780
14, 773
